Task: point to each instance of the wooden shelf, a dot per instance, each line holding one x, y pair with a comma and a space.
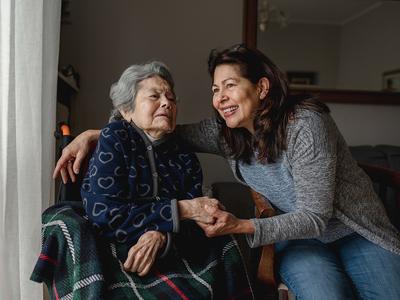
349, 96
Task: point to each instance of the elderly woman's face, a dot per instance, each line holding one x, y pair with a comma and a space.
155, 107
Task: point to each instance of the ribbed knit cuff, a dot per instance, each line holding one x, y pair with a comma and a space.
175, 215
254, 239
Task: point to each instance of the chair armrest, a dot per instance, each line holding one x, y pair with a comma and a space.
262, 206
265, 272
387, 176
384, 178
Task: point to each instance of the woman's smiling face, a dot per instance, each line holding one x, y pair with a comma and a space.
234, 97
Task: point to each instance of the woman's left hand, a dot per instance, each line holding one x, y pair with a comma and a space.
142, 255
225, 223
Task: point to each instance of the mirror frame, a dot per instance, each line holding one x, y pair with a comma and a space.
250, 8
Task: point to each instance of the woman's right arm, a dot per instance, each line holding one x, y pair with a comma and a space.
73, 155
200, 137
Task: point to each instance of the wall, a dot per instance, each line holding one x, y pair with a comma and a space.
353, 56
367, 124
107, 36
304, 47
370, 45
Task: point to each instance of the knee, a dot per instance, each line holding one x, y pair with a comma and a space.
314, 277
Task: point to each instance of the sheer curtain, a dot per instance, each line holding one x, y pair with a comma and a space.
29, 42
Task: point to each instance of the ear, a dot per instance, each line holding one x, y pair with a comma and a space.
127, 115
263, 87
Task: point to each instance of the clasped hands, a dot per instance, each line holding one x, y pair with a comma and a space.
210, 215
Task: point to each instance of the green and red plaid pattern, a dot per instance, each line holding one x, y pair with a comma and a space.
75, 263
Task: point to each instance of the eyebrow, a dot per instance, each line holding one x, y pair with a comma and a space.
225, 80
157, 90
160, 91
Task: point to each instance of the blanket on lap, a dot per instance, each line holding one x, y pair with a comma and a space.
75, 263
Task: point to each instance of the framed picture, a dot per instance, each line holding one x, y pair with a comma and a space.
301, 77
391, 81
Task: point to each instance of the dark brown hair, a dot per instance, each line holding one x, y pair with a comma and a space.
273, 115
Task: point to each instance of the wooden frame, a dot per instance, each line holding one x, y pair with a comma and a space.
327, 95
250, 8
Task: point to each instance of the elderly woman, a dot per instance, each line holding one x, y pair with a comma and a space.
143, 193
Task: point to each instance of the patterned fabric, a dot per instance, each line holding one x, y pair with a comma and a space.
77, 264
132, 185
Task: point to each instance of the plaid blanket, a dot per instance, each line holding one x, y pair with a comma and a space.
75, 263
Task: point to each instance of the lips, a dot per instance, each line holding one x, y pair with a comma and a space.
229, 111
163, 115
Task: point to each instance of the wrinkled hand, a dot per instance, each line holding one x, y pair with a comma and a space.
73, 155
142, 255
225, 223
194, 209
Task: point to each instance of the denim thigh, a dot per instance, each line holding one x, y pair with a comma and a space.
312, 270
374, 271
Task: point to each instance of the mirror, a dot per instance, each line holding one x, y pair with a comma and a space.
327, 45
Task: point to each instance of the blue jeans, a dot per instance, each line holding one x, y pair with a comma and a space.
349, 268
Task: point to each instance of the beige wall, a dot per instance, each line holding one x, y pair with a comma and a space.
352, 56
107, 36
368, 124
304, 47
370, 45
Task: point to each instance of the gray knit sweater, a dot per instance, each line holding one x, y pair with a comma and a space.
327, 182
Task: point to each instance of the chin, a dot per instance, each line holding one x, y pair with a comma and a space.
231, 124
168, 129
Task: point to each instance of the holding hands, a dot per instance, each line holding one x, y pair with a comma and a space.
225, 223
195, 209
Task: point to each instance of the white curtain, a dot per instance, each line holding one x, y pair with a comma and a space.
29, 43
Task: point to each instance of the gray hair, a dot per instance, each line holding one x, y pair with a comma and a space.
123, 92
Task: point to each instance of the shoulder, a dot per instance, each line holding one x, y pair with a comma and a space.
180, 147
119, 130
310, 119
311, 123
114, 128
118, 136
311, 131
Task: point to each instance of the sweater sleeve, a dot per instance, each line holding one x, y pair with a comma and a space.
118, 212
201, 137
311, 154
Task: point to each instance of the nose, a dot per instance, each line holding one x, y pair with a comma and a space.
165, 102
221, 96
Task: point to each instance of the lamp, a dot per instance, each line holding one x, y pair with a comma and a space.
268, 13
